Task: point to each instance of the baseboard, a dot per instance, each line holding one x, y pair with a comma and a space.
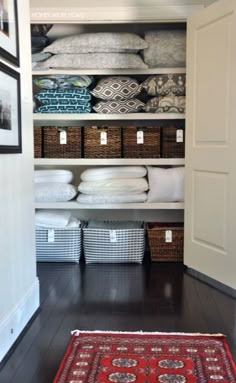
212, 282
13, 324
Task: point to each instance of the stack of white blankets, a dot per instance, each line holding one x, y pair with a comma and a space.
118, 184
55, 219
54, 185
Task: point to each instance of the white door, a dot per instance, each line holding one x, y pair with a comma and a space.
210, 199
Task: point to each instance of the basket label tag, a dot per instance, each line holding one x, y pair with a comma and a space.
63, 137
51, 235
179, 135
113, 236
168, 235
103, 138
140, 137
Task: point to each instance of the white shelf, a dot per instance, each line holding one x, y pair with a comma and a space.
107, 161
105, 72
73, 118
139, 206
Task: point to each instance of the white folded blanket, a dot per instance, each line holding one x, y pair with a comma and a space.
73, 223
53, 175
126, 198
52, 218
114, 186
112, 172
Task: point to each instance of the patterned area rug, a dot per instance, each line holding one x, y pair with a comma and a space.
100, 357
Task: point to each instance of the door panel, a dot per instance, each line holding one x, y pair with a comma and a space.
210, 198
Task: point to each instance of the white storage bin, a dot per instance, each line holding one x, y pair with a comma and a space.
58, 245
113, 246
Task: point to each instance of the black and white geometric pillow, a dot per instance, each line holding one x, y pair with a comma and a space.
126, 106
116, 88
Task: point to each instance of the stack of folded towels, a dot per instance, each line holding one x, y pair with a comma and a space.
118, 184
55, 219
118, 95
101, 50
63, 94
54, 185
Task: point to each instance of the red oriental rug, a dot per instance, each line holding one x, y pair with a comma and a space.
103, 357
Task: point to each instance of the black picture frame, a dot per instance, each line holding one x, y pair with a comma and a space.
10, 111
9, 35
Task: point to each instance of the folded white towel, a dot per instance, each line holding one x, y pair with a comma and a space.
52, 218
73, 223
126, 198
114, 186
112, 172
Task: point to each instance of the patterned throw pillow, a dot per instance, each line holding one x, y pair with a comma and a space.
166, 49
82, 108
63, 96
116, 88
125, 106
168, 104
63, 81
164, 84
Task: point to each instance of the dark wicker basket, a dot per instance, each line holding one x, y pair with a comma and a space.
150, 147
52, 146
162, 251
92, 142
170, 147
38, 142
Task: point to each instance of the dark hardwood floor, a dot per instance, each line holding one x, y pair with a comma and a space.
148, 297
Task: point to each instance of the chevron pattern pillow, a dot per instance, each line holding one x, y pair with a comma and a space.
125, 106
116, 88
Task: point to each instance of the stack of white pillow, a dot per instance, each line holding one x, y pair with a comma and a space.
118, 184
56, 219
53, 185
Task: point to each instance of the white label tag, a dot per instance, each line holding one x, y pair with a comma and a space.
51, 235
103, 138
113, 236
140, 137
63, 137
179, 135
168, 235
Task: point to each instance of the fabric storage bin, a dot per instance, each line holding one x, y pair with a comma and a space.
62, 142
141, 142
58, 245
102, 142
173, 142
166, 241
38, 142
113, 246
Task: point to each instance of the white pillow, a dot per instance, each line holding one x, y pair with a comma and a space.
126, 198
165, 185
111, 172
53, 175
114, 187
54, 192
52, 218
97, 42
94, 61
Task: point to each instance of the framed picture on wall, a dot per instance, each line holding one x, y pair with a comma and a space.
10, 111
9, 45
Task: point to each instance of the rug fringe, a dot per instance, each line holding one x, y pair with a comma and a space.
78, 332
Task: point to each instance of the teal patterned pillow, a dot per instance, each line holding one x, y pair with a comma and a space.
63, 96
83, 108
63, 81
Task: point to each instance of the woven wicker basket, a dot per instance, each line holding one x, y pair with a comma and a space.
38, 142
54, 149
150, 148
161, 250
93, 148
170, 147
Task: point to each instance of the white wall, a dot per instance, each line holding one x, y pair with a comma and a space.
19, 287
